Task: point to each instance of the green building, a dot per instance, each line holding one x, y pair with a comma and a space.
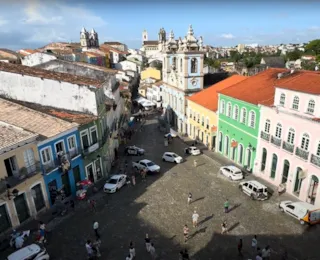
239, 115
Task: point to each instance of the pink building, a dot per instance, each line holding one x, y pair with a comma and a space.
289, 144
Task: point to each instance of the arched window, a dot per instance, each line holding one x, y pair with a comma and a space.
282, 99
267, 126
222, 106
291, 135
311, 106
285, 171
236, 112
202, 120
305, 142
295, 104
274, 165
194, 65
240, 154
220, 142
229, 109
313, 188
243, 115
298, 181
226, 146
252, 119
181, 66
278, 130
207, 123
263, 159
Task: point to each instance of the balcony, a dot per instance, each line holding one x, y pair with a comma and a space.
302, 153
265, 136
315, 160
276, 141
288, 147
90, 149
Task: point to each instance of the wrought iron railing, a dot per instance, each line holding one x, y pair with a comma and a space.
315, 159
302, 153
288, 147
265, 136
275, 140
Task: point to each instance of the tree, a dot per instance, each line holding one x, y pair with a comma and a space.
293, 55
308, 65
314, 46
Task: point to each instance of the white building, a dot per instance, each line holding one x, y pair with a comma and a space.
182, 72
153, 48
37, 58
154, 93
127, 65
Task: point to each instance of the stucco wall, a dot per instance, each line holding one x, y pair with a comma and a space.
151, 73
37, 58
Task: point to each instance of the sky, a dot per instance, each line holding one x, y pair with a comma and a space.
35, 23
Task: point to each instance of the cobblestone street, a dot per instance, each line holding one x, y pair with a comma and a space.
159, 208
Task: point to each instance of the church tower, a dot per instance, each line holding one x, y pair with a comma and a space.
144, 36
84, 39
93, 39
162, 37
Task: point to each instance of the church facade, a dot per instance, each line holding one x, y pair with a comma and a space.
153, 48
89, 40
182, 72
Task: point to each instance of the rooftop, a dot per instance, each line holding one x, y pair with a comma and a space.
106, 47
208, 97
11, 135
113, 43
158, 83
41, 73
150, 43
257, 89
32, 120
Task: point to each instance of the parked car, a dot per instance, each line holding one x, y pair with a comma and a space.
134, 150
115, 183
192, 150
254, 189
32, 251
171, 157
232, 172
299, 210
146, 165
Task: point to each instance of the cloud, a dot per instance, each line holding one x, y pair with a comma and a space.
3, 22
227, 36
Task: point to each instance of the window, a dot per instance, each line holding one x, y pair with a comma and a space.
274, 166
229, 109
252, 118
46, 155
240, 157
282, 99
305, 142
208, 124
295, 104
220, 142
174, 62
194, 65
243, 115
278, 130
181, 65
236, 112
190, 113
59, 147
202, 120
94, 134
291, 135
222, 106
267, 126
318, 149
264, 159
311, 106
72, 142
85, 139
198, 119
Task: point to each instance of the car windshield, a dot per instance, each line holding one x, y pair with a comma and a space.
150, 164
113, 181
238, 172
174, 155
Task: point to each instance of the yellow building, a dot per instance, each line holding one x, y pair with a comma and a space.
151, 73
202, 108
22, 189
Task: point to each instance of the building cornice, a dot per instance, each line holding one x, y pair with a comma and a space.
19, 144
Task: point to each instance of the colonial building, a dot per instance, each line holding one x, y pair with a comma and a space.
118, 45
37, 58
239, 115
202, 111
22, 190
151, 73
153, 48
182, 74
89, 40
289, 136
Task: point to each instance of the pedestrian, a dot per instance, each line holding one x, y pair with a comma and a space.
185, 255
143, 174
181, 255
259, 256
226, 206
153, 251
72, 205
254, 244
92, 204
224, 227
148, 243
240, 247
266, 252
185, 233
133, 177
195, 163
128, 257
89, 249
132, 250
189, 198
95, 228
195, 218
96, 247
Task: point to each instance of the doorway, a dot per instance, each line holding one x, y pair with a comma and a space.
90, 173
66, 184
4, 218
21, 208
53, 191
313, 188
226, 145
285, 172
11, 166
38, 197
76, 174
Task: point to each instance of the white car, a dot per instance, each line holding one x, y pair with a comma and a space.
134, 150
192, 150
115, 183
32, 251
232, 172
254, 189
172, 157
147, 165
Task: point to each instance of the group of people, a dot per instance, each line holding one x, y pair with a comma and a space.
149, 248
93, 248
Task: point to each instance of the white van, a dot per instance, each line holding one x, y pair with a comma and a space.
298, 210
254, 189
33, 251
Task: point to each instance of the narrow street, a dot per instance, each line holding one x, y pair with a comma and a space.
159, 207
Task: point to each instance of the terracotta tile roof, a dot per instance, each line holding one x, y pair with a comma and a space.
40, 73
150, 43
113, 43
25, 52
106, 47
11, 135
208, 97
158, 83
257, 89
32, 120
302, 81
95, 67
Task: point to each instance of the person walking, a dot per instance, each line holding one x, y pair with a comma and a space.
226, 206
224, 227
185, 233
95, 228
189, 198
132, 251
133, 177
96, 247
195, 218
89, 249
266, 252
254, 244
185, 255
92, 204
147, 242
128, 257
153, 251
240, 247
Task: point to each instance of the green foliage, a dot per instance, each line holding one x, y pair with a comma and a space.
318, 58
314, 46
294, 55
212, 63
308, 65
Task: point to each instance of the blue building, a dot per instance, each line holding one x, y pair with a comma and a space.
182, 72
60, 155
